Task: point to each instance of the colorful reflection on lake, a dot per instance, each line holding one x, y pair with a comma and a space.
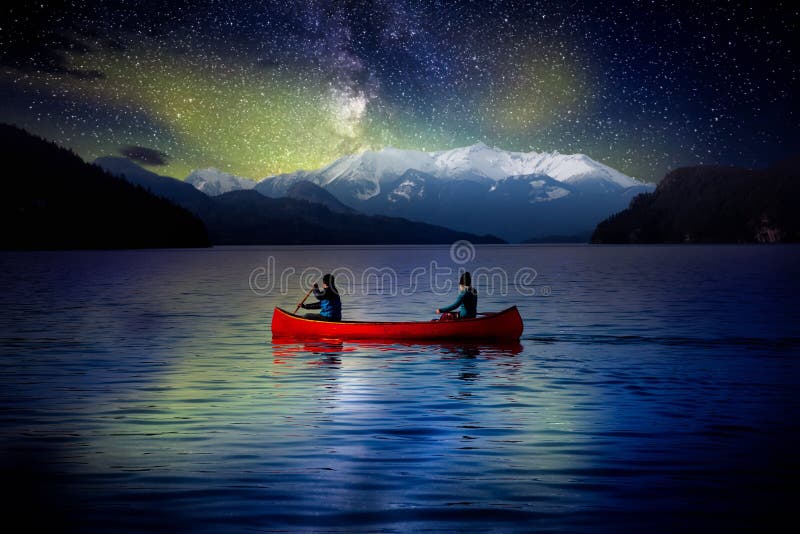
654, 387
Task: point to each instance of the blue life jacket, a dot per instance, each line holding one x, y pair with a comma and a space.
330, 304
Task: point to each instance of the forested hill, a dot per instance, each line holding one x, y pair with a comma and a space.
708, 204
52, 199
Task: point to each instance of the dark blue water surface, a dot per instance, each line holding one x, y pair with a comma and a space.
654, 388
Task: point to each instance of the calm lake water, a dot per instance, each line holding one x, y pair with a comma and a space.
654, 387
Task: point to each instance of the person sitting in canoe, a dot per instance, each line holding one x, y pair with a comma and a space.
467, 300
330, 305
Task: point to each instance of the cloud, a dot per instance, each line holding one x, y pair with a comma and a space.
141, 154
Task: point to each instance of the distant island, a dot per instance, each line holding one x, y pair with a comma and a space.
52, 199
711, 204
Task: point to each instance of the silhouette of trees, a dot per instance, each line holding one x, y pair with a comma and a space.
710, 204
52, 199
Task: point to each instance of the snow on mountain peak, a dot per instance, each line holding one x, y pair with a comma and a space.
579, 168
370, 168
363, 174
473, 160
214, 182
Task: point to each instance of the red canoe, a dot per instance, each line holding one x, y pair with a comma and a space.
505, 325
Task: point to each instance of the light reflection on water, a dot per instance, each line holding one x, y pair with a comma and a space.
654, 388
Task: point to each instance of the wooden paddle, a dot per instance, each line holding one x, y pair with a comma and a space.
302, 301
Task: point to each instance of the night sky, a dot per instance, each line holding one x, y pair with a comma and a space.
259, 88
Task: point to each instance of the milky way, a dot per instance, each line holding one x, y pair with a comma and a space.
259, 88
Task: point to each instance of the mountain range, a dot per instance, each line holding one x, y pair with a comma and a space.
515, 195
214, 182
306, 215
56, 200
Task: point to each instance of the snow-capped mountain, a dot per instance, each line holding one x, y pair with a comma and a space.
516, 195
515, 207
214, 182
480, 160
363, 176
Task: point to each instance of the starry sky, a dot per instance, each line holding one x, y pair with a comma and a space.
261, 88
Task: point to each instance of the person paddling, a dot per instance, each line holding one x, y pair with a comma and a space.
330, 305
467, 300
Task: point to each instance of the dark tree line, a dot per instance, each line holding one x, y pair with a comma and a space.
708, 204
52, 199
